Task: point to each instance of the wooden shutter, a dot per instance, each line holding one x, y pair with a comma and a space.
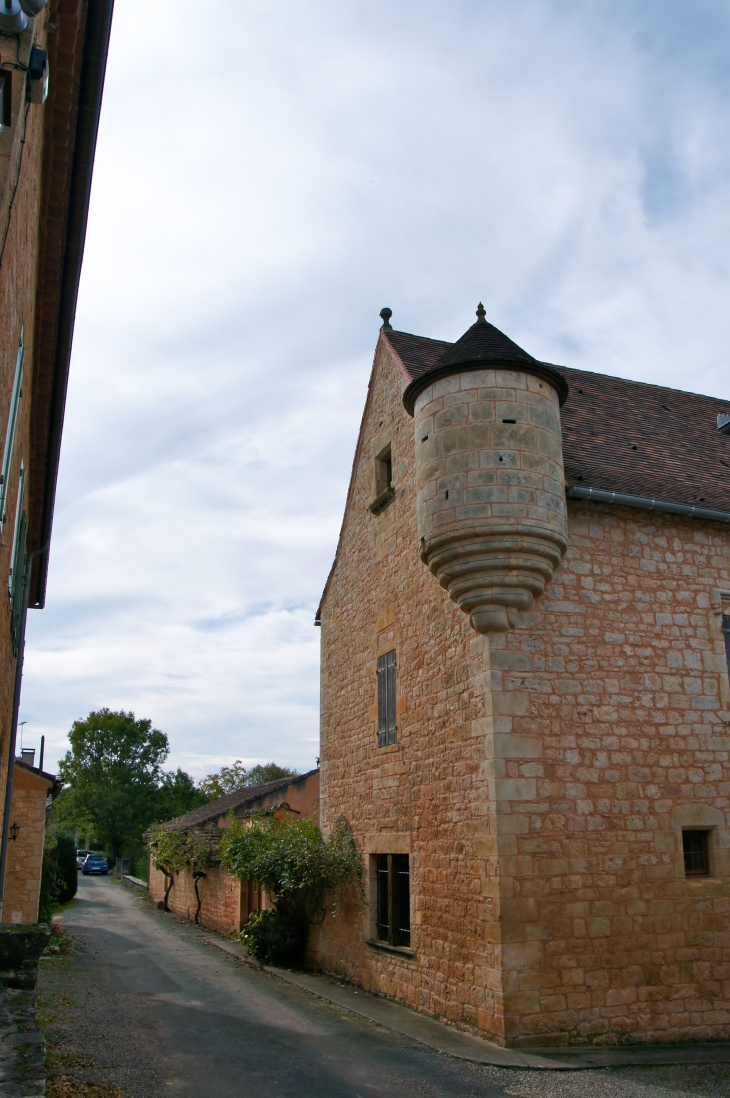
390, 696
10, 434
18, 580
386, 699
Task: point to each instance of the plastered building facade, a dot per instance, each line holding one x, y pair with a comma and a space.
525, 699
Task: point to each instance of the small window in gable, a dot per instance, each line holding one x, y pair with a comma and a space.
386, 699
384, 490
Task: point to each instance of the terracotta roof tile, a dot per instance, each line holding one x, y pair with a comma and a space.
625, 436
232, 801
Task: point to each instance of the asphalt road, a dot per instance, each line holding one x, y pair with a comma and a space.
149, 1007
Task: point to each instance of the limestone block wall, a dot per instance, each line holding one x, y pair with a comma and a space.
491, 492
414, 796
25, 855
220, 895
18, 274
610, 734
541, 778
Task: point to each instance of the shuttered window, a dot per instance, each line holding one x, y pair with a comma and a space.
17, 568
386, 699
10, 433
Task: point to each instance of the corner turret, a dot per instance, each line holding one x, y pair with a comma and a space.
489, 474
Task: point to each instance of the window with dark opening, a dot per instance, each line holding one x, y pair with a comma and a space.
726, 634
696, 847
393, 899
386, 699
383, 471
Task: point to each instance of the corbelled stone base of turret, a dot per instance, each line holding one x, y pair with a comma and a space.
494, 572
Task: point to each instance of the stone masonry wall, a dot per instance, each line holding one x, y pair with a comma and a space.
25, 855
219, 893
541, 780
20, 183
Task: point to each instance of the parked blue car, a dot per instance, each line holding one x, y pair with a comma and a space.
95, 863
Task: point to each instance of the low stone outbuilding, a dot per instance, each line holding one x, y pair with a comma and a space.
525, 697
226, 902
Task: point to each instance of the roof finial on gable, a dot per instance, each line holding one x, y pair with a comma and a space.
386, 314
481, 313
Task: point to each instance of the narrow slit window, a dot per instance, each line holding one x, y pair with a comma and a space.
393, 890
726, 631
10, 433
383, 471
696, 848
387, 731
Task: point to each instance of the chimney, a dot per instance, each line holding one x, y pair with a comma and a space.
27, 755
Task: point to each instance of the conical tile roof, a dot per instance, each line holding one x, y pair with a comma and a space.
481, 347
486, 344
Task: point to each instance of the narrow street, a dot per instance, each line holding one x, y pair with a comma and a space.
146, 1007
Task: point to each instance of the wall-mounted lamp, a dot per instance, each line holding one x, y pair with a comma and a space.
14, 831
12, 17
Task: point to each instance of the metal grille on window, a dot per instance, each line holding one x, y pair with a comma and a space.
393, 921
696, 853
386, 699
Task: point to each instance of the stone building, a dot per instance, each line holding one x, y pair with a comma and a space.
525, 698
52, 68
223, 902
32, 788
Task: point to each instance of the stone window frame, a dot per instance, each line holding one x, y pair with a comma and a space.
383, 488
702, 817
377, 845
721, 607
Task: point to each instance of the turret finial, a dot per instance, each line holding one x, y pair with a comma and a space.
386, 314
481, 313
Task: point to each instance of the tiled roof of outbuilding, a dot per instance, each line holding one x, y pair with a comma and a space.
232, 801
626, 436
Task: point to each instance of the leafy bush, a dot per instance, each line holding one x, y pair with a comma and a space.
48, 901
66, 869
276, 938
297, 868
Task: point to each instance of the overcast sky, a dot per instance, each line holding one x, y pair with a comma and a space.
269, 175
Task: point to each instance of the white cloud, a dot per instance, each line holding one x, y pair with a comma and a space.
268, 176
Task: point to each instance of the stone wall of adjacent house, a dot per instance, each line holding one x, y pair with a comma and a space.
20, 183
220, 897
541, 779
25, 854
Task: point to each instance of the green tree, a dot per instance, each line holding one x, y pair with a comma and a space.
230, 779
112, 775
177, 795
